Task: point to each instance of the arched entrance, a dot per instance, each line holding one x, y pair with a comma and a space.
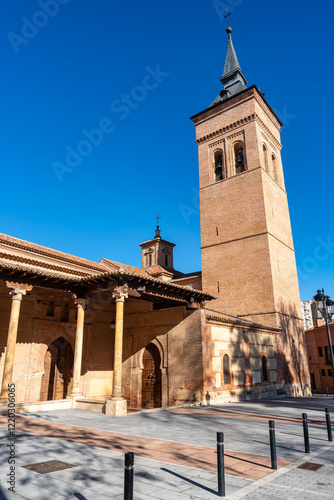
58, 367
151, 377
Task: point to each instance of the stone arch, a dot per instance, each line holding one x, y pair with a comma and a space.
137, 374
56, 382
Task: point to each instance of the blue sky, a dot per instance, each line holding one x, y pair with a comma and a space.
68, 75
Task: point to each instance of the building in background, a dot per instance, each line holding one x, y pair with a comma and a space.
319, 357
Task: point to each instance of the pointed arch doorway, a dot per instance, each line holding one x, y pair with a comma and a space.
58, 368
151, 377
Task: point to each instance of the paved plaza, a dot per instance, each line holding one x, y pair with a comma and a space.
175, 452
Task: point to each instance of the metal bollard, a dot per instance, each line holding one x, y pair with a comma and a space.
220, 464
329, 425
306, 436
272, 444
128, 476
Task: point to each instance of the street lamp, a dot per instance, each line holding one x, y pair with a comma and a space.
325, 306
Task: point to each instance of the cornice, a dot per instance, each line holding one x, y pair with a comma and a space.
277, 144
227, 128
31, 247
251, 325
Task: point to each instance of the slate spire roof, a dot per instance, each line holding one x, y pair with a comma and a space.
233, 79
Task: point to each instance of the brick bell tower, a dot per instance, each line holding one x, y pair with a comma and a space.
248, 258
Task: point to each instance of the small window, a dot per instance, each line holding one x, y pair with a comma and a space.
328, 362
264, 369
273, 161
330, 373
166, 260
323, 373
265, 154
239, 158
65, 311
218, 165
149, 260
51, 307
310, 357
320, 352
226, 368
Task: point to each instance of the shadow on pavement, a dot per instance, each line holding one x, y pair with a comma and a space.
190, 481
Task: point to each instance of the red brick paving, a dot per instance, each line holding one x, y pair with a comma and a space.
198, 457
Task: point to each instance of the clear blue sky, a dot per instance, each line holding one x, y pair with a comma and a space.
63, 77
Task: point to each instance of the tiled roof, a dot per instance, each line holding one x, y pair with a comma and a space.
37, 260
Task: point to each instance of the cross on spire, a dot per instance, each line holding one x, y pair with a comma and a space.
227, 17
157, 219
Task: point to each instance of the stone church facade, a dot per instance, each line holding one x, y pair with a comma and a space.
107, 336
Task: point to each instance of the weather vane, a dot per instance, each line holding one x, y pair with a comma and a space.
227, 17
157, 219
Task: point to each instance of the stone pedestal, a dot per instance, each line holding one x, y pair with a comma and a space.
116, 407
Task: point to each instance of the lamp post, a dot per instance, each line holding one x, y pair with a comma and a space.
325, 306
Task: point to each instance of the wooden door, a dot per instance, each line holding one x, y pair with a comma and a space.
151, 378
58, 366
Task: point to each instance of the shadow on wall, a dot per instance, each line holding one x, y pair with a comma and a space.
293, 354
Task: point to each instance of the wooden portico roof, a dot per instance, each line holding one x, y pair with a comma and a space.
25, 262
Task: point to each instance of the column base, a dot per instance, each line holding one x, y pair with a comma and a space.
116, 407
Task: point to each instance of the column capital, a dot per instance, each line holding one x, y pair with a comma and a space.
81, 303
17, 290
120, 293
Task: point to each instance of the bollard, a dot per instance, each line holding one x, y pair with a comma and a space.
220, 464
128, 476
272, 444
327, 391
306, 437
329, 425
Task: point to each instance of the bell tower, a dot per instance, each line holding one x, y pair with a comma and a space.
248, 258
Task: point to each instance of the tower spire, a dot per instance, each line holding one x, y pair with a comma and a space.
233, 79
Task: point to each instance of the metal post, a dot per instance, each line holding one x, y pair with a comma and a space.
128, 476
306, 436
220, 464
330, 344
329, 426
272, 444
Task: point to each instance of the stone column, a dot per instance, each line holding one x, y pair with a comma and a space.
81, 304
117, 406
17, 292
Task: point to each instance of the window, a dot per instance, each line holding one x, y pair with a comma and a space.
150, 260
273, 161
51, 307
320, 352
264, 369
330, 373
239, 158
226, 368
265, 154
323, 373
65, 311
218, 165
328, 361
310, 357
166, 260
